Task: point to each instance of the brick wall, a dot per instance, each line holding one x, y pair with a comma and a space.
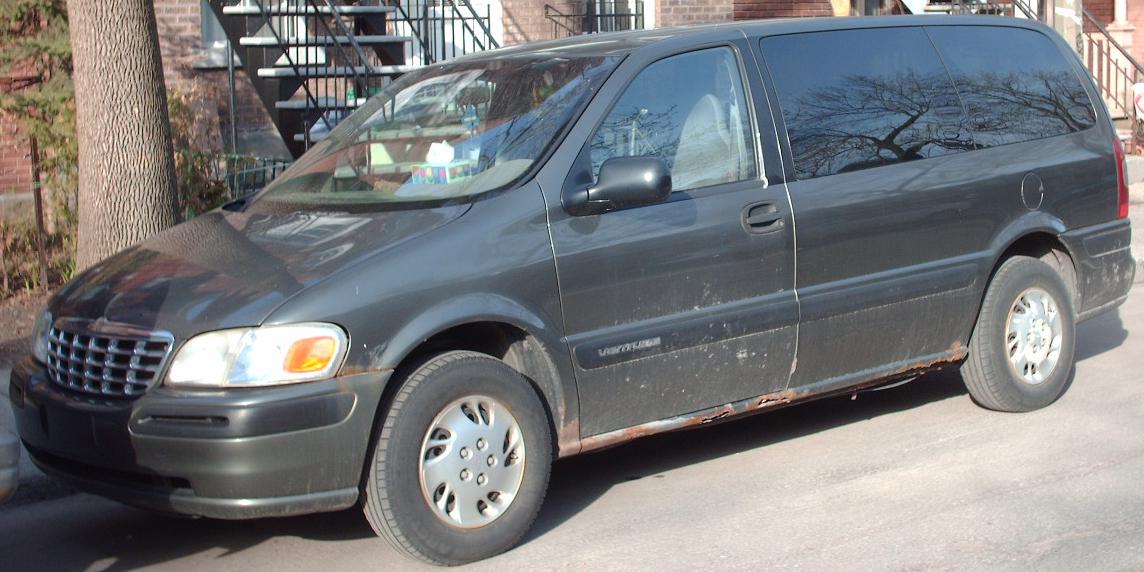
747, 9
1136, 18
683, 12
1102, 10
15, 164
524, 20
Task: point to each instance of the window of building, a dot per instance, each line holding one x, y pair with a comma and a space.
691, 112
857, 99
1016, 84
213, 38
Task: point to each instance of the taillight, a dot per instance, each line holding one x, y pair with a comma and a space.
1121, 177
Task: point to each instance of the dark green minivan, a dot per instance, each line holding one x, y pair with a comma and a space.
544, 250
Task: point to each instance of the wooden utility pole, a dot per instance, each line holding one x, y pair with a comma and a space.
126, 162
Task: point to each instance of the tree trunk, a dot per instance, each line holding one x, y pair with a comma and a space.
126, 163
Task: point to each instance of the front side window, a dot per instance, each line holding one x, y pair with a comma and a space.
444, 133
856, 99
691, 112
1016, 84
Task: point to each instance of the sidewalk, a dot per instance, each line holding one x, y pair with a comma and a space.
1135, 164
34, 485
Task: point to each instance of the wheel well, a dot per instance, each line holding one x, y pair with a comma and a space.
516, 347
1052, 251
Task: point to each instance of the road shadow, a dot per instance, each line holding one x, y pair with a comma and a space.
1100, 334
577, 482
128, 539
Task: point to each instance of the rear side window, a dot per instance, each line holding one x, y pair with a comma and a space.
1016, 84
856, 99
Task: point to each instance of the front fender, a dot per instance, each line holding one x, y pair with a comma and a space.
548, 364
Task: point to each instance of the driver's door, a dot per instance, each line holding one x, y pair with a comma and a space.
679, 306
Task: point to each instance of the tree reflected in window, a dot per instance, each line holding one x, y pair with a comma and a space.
1030, 93
857, 99
863, 121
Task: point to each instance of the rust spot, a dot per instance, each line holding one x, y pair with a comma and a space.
698, 418
347, 371
775, 399
955, 354
768, 401
568, 439
723, 413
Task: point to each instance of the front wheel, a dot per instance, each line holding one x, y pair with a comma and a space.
1021, 351
462, 461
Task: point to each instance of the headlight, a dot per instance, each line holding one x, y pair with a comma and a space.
252, 357
40, 336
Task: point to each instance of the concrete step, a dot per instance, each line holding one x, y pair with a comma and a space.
331, 71
323, 103
303, 9
393, 134
320, 41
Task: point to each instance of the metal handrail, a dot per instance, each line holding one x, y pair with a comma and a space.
344, 30
484, 27
1108, 36
310, 98
558, 18
423, 17
1025, 9
425, 50
465, 22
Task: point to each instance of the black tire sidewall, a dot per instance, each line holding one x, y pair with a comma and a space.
408, 510
1017, 275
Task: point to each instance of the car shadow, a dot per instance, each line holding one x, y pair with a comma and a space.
1100, 334
578, 481
127, 539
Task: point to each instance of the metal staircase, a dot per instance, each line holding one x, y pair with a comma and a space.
312, 62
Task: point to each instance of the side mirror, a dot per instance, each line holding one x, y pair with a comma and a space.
624, 182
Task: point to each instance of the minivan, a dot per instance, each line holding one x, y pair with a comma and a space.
576, 243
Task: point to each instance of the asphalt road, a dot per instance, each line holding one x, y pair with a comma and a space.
908, 478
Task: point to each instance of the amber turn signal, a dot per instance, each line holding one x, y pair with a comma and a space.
310, 354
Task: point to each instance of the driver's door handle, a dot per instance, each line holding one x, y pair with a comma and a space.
761, 218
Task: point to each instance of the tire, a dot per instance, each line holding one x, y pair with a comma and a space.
453, 394
1002, 372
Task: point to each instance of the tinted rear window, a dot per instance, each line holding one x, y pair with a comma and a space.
857, 99
1016, 84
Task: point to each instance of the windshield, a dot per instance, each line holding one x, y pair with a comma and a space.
442, 133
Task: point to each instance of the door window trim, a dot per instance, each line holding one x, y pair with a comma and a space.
748, 96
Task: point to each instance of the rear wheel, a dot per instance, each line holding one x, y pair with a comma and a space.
462, 461
1021, 352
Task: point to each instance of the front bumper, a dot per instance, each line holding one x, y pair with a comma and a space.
222, 454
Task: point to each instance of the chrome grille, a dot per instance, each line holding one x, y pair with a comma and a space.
107, 365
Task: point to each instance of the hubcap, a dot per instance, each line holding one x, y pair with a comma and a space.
472, 462
1033, 335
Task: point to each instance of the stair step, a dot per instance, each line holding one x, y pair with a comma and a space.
323, 103
300, 41
337, 71
391, 134
298, 10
